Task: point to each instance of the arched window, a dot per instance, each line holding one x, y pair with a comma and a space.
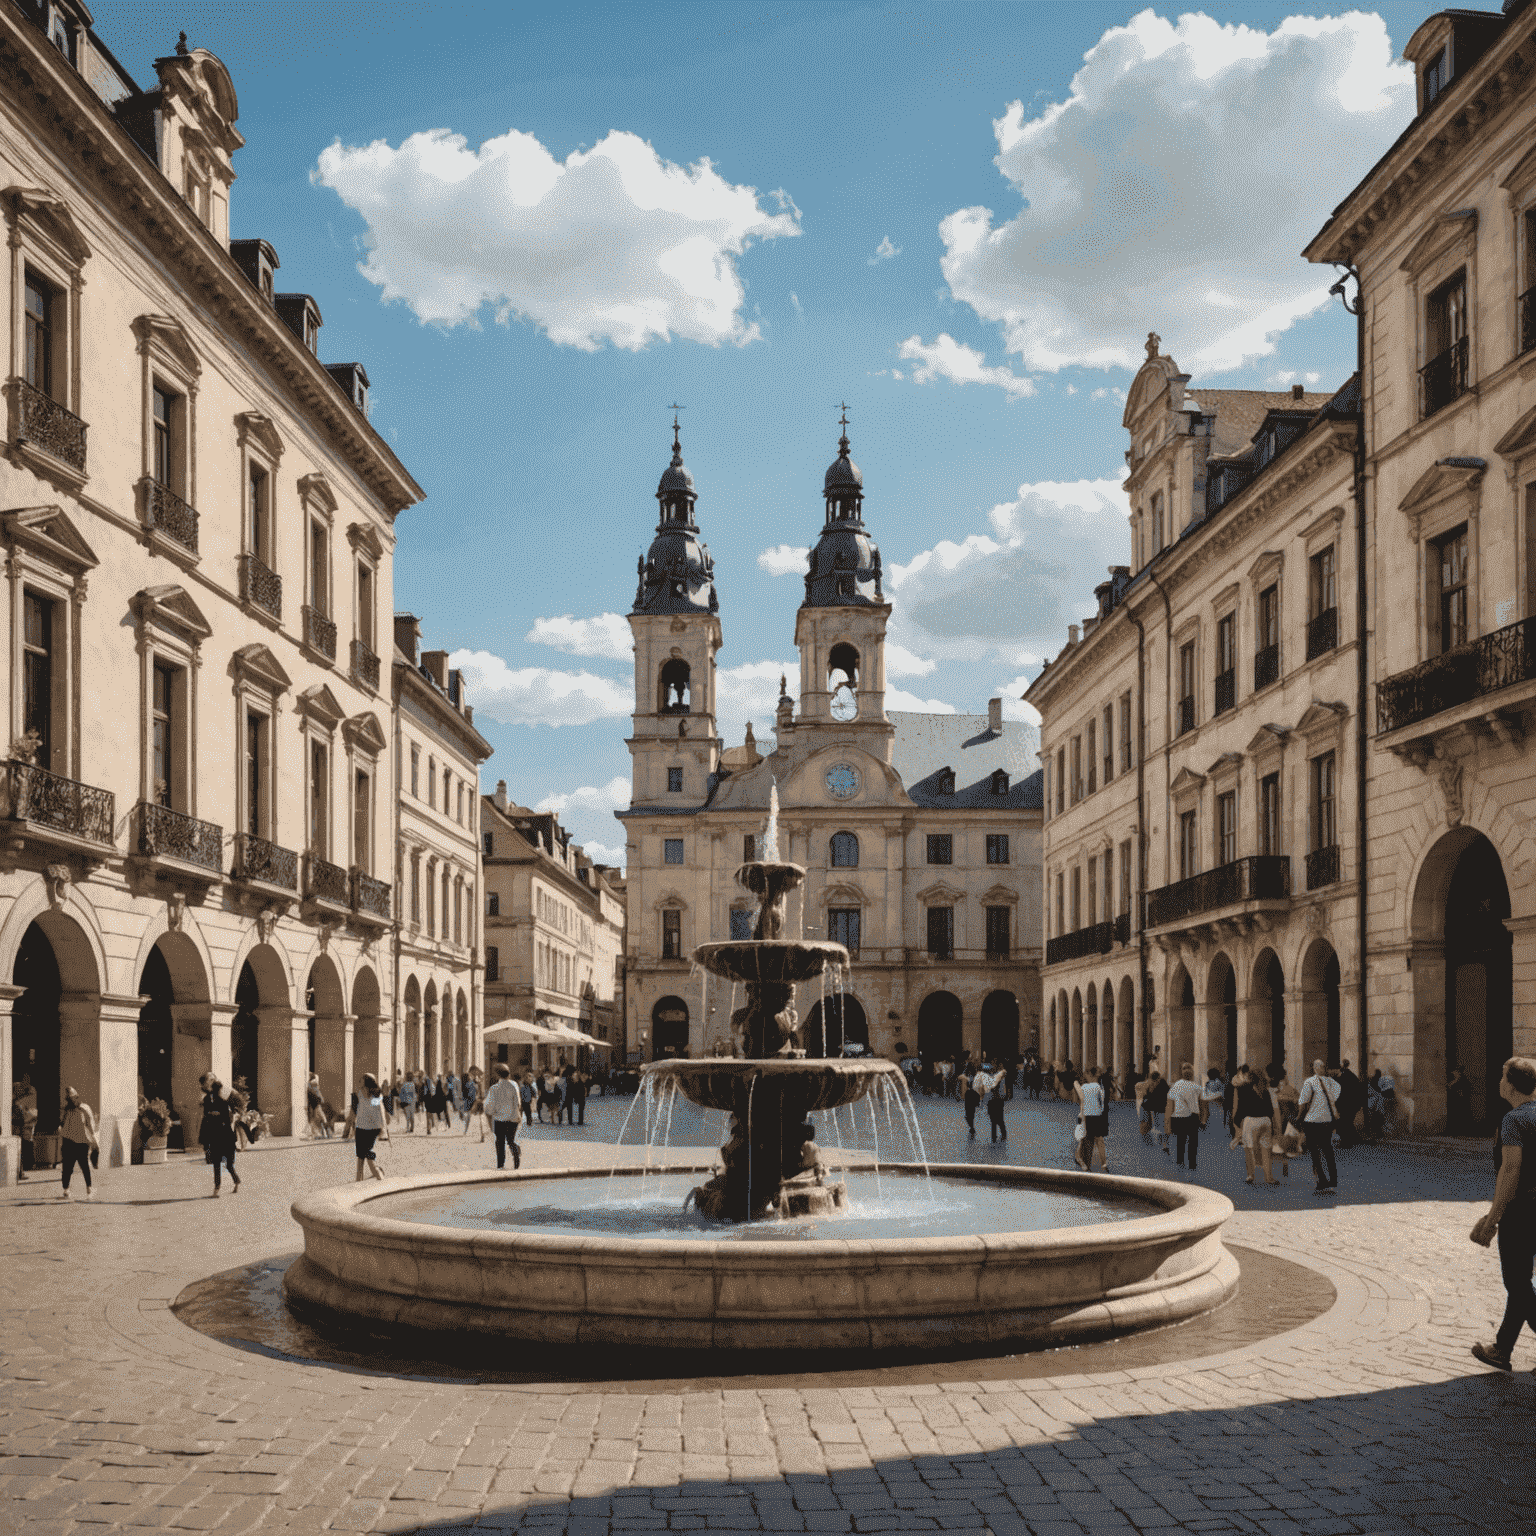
673, 696
946, 781
843, 665
845, 851
999, 782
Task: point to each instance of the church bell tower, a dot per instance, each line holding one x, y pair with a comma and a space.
676, 625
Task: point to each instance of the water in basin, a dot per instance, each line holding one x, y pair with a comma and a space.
888, 1205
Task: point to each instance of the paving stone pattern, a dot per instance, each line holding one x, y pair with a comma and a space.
1373, 1418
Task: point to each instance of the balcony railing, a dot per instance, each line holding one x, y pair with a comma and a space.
168, 834
1097, 939
50, 800
320, 632
324, 881
261, 586
1528, 320
1323, 867
1259, 878
1322, 633
1186, 721
1123, 928
1444, 378
1226, 691
365, 665
1458, 676
257, 859
1266, 667
47, 425
370, 896
172, 515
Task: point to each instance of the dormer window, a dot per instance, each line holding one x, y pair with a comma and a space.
1436, 76
946, 781
1000, 782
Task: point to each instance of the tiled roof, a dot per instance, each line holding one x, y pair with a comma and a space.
1241, 412
927, 744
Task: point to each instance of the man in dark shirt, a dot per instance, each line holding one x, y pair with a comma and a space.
1513, 1212
1351, 1097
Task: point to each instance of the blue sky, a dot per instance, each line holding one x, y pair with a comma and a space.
962, 219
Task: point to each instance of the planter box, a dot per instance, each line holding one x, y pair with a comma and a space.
154, 1149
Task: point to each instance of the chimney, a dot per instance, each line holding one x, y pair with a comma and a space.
435, 665
501, 794
408, 634
1074, 634
1297, 391
995, 716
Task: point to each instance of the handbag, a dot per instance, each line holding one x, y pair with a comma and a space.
1079, 1131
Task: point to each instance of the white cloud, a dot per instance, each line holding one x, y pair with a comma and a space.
614, 244
539, 696
609, 797
900, 699
884, 251
783, 559
900, 662
949, 359
1174, 187
1286, 376
602, 853
1012, 695
607, 635
751, 692
794, 298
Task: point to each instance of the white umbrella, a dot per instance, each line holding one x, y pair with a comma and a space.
523, 1032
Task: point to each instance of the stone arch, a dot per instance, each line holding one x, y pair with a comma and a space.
843, 666
1075, 1031
843, 850
669, 1028
1090, 1058
1318, 1007
411, 1001
461, 1033
329, 1029
431, 1030
71, 927
1125, 1024
1107, 1042
270, 963
940, 1027
367, 1025
1221, 1041
175, 1027
845, 1019
1265, 1046
186, 955
674, 687
1063, 1028
1000, 1026
1181, 1020
1050, 1030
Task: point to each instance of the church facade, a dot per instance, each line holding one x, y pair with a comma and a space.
920, 834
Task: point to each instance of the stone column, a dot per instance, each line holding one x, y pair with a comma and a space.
1421, 1069
372, 1046
10, 1146
1523, 995
282, 1059
1210, 1037
99, 1055
199, 1045
334, 1047
1253, 1030
1349, 1021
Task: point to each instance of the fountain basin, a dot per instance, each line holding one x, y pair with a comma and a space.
775, 961
722, 1082
991, 1289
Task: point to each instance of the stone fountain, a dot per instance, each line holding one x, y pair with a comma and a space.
772, 1163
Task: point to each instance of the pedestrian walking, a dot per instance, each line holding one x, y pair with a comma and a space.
217, 1135
1181, 1116
469, 1101
1213, 1095
1154, 1110
965, 1086
315, 1118
504, 1106
1513, 1212
24, 1124
529, 1095
407, 1092
577, 1100
77, 1133
997, 1102
1094, 1113
367, 1121
1254, 1118
1317, 1106
1351, 1100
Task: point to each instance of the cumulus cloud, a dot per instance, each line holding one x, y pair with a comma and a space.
751, 692
538, 695
607, 635
612, 244
783, 559
900, 699
1010, 593
884, 251
949, 359
602, 853
609, 797
1174, 187
900, 662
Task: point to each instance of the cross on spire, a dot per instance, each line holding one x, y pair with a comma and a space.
677, 445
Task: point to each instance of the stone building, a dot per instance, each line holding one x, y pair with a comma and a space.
197, 521
1198, 745
554, 926
439, 970
920, 834
1441, 233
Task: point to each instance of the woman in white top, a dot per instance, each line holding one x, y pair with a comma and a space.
368, 1115
1095, 1117
77, 1132
1181, 1116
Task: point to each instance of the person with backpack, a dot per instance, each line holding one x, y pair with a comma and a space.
997, 1101
1318, 1107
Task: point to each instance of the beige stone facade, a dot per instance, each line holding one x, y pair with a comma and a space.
1442, 233
554, 932
1200, 856
439, 969
920, 834
197, 522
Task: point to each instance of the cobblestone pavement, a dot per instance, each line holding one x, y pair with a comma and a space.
114, 1415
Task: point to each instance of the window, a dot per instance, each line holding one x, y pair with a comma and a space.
674, 781
999, 781
488, 843
167, 789
492, 963
1125, 877
319, 569
365, 605
1125, 733
1324, 827
1186, 719
946, 783
319, 799
671, 934
1225, 696
1157, 521
1189, 848
1437, 75
749, 848
844, 851
37, 675
416, 888
1269, 814
1109, 742
255, 776
672, 850
1443, 378
493, 903
257, 512
1077, 898
997, 933
1451, 561
741, 924
447, 896
843, 928
431, 898
362, 821
432, 782
458, 804
1266, 661
997, 847
1093, 755
1226, 827
1093, 890
1077, 769
447, 791
458, 911
941, 847
1061, 905
1061, 779
1109, 885
941, 932
163, 465
1322, 604
38, 360
1528, 298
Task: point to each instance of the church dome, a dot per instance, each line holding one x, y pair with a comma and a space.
676, 575
845, 564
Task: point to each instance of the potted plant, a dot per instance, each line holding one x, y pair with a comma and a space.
154, 1125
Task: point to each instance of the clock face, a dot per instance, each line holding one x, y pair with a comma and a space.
845, 704
843, 781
